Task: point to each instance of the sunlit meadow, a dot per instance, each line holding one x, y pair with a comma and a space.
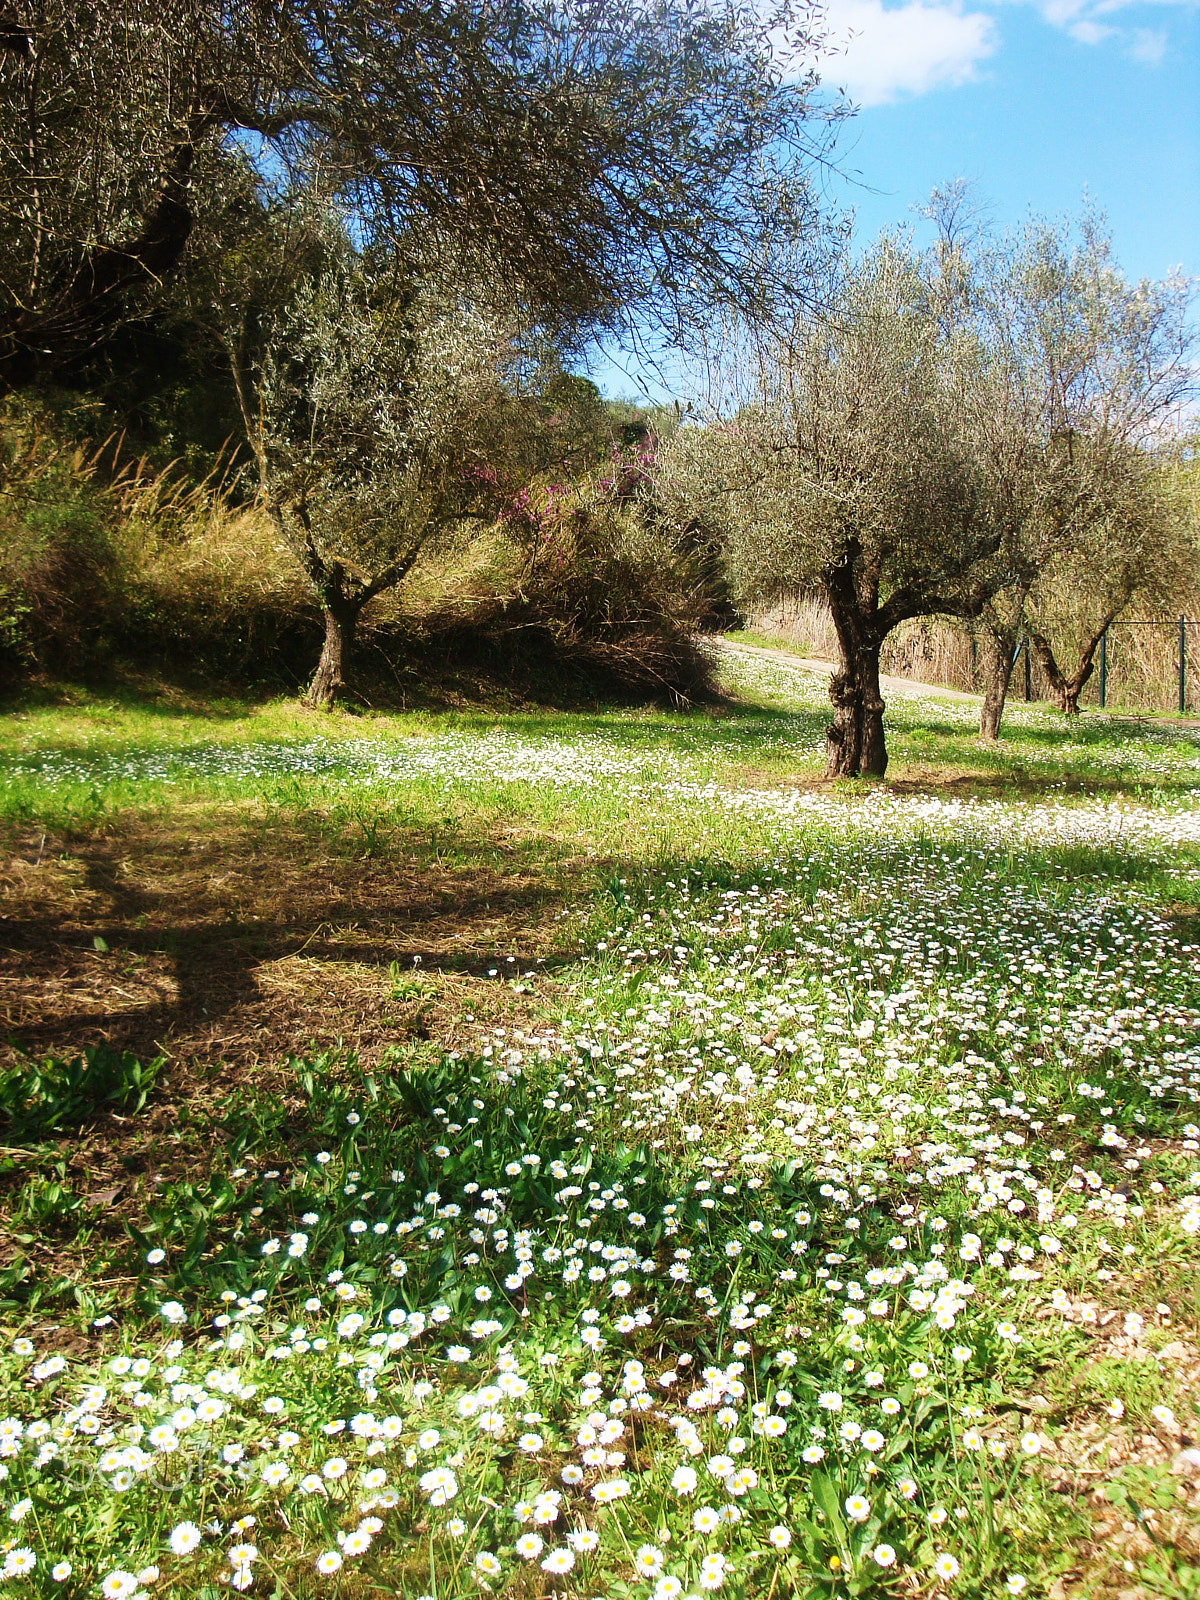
830, 1225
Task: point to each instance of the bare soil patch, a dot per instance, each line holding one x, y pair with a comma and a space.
219, 937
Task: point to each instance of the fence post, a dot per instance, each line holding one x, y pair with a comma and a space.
1103, 668
1028, 673
1182, 665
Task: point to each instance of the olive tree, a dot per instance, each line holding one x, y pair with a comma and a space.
1141, 548
836, 459
1078, 372
607, 158
382, 419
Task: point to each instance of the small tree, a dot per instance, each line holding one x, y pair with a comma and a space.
1142, 549
844, 466
1077, 371
379, 417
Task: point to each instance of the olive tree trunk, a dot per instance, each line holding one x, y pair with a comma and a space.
332, 675
1067, 687
854, 743
1002, 652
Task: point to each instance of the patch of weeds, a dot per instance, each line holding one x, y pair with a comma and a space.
42, 1098
1137, 1384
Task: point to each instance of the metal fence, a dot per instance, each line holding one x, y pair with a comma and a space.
1184, 667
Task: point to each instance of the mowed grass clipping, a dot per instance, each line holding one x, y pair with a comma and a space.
790, 1188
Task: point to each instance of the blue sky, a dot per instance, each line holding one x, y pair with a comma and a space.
1036, 103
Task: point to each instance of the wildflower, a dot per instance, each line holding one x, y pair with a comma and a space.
439, 1484
649, 1561
584, 1540
706, 1520
560, 1560
712, 1571
858, 1508
684, 1480
883, 1555
19, 1562
61, 1571
529, 1546
668, 1588
118, 1585
1016, 1583
185, 1537
945, 1567
780, 1537
1031, 1443
487, 1563
329, 1563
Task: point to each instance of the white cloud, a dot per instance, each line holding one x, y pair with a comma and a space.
1149, 45
885, 53
1088, 32
1087, 22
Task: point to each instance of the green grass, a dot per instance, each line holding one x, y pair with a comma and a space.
849, 1149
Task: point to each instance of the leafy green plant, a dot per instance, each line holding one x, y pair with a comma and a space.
41, 1098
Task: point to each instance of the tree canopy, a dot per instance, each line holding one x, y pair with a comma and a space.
612, 160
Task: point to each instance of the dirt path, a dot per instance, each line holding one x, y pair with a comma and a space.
890, 685
913, 690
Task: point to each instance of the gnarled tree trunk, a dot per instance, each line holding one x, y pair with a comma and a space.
854, 743
1067, 688
329, 680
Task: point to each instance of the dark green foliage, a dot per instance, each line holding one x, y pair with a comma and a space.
41, 1098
